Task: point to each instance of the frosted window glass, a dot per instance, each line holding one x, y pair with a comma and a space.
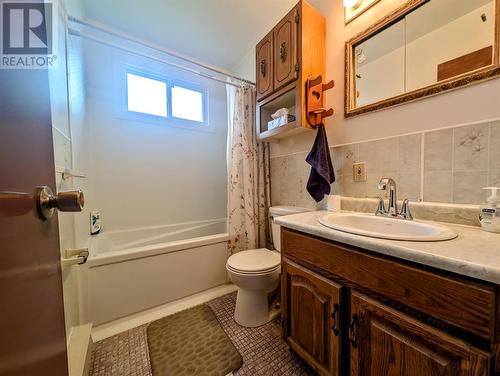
187, 104
146, 95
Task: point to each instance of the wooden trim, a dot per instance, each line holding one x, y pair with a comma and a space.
496, 50
480, 75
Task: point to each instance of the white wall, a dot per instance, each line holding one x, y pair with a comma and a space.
473, 103
246, 67
148, 173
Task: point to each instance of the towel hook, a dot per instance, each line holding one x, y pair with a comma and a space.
315, 112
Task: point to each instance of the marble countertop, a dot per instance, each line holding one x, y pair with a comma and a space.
474, 253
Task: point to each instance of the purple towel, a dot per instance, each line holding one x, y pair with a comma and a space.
322, 174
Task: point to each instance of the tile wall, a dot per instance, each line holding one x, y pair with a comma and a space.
450, 165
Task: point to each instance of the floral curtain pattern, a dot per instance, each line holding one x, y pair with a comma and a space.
248, 175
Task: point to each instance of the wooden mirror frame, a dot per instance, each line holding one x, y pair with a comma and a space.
476, 76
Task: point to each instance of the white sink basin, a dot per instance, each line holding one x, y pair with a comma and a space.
386, 228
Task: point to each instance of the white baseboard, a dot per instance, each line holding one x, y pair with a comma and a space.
80, 347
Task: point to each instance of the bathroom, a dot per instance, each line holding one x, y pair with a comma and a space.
226, 187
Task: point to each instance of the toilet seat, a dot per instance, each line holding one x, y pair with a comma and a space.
255, 261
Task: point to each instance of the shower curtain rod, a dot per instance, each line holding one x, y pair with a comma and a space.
114, 32
162, 61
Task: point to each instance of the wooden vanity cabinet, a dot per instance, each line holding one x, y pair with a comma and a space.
313, 326
392, 317
384, 341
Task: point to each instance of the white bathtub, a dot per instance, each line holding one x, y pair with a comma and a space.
130, 271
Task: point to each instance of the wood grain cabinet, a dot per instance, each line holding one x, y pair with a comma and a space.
314, 319
264, 63
285, 50
348, 311
385, 341
290, 53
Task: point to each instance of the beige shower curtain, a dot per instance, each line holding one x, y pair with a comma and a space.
248, 175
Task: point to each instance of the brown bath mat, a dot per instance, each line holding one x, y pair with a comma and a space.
191, 342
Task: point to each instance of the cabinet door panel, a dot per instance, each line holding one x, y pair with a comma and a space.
311, 317
386, 342
285, 50
264, 64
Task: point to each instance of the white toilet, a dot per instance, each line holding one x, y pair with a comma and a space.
257, 272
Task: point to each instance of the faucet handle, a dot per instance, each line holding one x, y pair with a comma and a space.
380, 207
405, 210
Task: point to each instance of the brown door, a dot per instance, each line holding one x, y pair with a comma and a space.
384, 341
285, 50
32, 334
264, 64
312, 317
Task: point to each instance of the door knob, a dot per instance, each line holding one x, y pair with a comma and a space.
47, 201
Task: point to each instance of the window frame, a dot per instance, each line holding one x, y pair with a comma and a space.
151, 77
193, 87
170, 120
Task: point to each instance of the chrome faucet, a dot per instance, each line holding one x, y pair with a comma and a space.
392, 211
389, 183
405, 210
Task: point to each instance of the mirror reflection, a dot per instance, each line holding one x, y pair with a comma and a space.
439, 40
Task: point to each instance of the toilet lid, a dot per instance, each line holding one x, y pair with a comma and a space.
255, 260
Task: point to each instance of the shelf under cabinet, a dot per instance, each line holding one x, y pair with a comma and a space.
285, 130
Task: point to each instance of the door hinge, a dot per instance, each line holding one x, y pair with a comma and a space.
297, 16
297, 67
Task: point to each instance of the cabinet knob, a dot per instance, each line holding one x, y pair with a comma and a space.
283, 52
263, 67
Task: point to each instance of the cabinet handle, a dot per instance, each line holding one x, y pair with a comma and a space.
263, 67
283, 52
353, 331
335, 317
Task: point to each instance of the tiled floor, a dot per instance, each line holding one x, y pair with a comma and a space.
125, 354
264, 352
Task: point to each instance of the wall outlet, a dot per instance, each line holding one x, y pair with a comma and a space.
359, 172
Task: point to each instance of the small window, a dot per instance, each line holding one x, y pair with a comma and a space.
188, 104
146, 95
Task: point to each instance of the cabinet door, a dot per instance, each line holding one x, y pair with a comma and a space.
311, 315
384, 341
264, 64
285, 50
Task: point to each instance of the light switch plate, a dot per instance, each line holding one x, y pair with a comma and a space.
359, 172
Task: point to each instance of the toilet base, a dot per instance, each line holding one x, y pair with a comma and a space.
252, 308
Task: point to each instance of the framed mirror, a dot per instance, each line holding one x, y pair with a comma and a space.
423, 48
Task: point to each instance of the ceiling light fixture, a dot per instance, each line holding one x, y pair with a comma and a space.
352, 3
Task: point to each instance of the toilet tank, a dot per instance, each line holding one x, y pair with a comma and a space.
278, 211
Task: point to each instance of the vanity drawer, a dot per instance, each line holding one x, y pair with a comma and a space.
460, 302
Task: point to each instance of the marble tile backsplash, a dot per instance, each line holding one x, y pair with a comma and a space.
449, 166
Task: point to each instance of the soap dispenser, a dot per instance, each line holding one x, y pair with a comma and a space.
490, 212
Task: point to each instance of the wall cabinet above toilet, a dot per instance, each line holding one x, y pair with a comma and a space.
291, 52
